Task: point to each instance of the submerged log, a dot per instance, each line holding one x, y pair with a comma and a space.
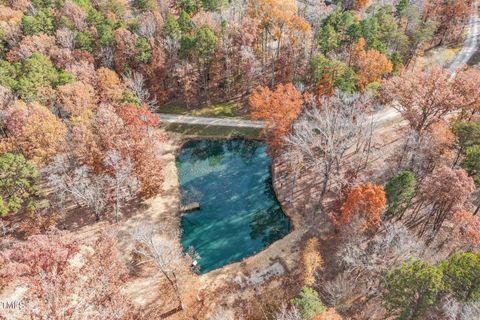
190, 207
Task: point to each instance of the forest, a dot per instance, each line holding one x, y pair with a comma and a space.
349, 130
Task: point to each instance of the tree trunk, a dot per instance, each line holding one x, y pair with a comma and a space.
174, 285
326, 179
457, 158
476, 210
415, 309
274, 59
117, 206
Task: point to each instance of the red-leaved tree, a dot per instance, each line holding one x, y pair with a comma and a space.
279, 109
443, 192
365, 202
423, 97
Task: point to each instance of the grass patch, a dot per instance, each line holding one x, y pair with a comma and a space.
200, 130
440, 55
220, 110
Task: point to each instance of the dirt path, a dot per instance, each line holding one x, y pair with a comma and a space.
470, 46
223, 122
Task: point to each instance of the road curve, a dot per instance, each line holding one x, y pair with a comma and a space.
470, 45
222, 122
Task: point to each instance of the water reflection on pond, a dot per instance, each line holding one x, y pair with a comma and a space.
239, 214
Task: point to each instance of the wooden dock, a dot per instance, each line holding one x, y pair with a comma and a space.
190, 207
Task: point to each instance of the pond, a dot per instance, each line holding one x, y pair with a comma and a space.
239, 214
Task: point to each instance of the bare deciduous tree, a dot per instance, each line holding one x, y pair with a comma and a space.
68, 182
222, 314
331, 133
147, 25
136, 82
392, 244
287, 313
455, 310
367, 259
6, 100
339, 289
66, 38
107, 55
162, 250
123, 182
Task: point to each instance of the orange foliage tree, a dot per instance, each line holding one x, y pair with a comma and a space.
35, 132
361, 4
369, 65
279, 109
312, 261
422, 96
436, 146
77, 99
466, 84
109, 85
278, 18
366, 201
446, 190
330, 314
449, 17
467, 227
65, 276
130, 131
143, 148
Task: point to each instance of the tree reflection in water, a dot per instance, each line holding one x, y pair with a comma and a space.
239, 214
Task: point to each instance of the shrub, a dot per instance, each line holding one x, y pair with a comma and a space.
308, 303
400, 189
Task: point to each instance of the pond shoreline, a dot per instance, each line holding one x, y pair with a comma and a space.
164, 210
240, 215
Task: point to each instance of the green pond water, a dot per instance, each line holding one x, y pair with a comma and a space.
239, 214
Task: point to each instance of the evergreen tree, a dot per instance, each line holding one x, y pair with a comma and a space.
335, 72
43, 21
467, 132
184, 22
411, 288
401, 8
19, 186
461, 274
400, 189
327, 39
172, 27
189, 6
36, 72
144, 50
472, 162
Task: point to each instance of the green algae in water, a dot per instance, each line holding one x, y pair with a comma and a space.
239, 214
